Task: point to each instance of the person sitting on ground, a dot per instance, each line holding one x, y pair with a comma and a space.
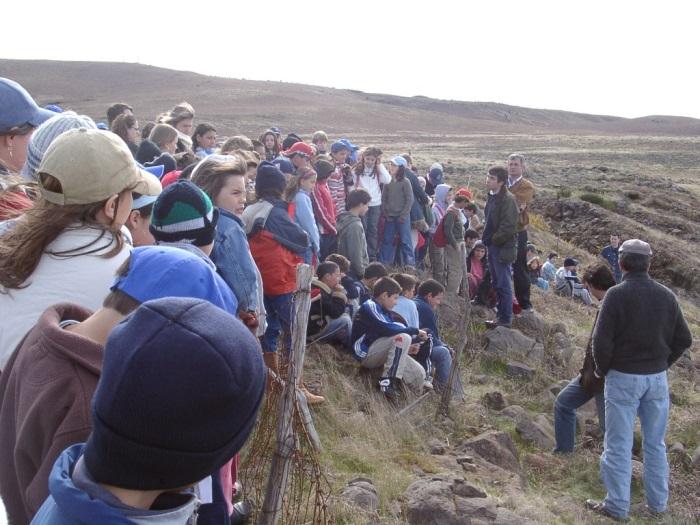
380, 342
39, 417
137, 465
549, 270
568, 284
328, 320
534, 268
428, 299
352, 287
471, 237
373, 273
597, 279
478, 275
352, 241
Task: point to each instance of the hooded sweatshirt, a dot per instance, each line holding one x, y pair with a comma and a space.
440, 205
352, 243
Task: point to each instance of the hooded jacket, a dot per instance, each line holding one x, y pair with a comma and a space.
373, 322
352, 243
45, 394
440, 205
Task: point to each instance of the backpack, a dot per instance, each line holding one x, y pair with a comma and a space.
440, 239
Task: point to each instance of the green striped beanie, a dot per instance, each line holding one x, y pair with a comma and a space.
184, 213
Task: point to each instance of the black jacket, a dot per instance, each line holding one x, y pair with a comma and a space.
640, 328
501, 213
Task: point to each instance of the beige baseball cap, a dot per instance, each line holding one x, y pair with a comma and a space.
92, 165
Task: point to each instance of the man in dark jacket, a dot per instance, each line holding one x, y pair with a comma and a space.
610, 254
639, 334
499, 237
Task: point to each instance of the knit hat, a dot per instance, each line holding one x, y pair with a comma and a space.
339, 146
299, 147
45, 135
285, 165
269, 178
465, 192
92, 165
17, 107
570, 262
290, 140
183, 212
178, 396
164, 271
324, 168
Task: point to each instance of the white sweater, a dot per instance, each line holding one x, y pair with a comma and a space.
371, 184
83, 280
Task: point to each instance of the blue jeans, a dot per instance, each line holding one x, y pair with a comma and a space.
371, 223
627, 395
569, 399
279, 317
501, 283
393, 227
337, 329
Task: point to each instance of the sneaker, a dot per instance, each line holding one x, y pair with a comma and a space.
388, 387
242, 511
428, 385
528, 309
599, 508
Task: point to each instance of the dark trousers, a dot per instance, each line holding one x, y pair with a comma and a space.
329, 244
521, 278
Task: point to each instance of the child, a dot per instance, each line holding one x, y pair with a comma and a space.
222, 178
455, 253
324, 209
370, 175
204, 140
298, 195
443, 198
434, 178
327, 318
473, 221
320, 140
237, 142
271, 142
373, 273
340, 177
405, 306
139, 220
353, 287
259, 148
478, 275
534, 270
300, 154
397, 199
48, 384
136, 463
549, 270
377, 341
430, 295
351, 235
278, 244
68, 245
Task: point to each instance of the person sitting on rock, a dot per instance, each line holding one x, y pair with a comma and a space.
566, 282
534, 269
597, 279
549, 270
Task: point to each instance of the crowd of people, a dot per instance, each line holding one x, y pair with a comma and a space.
155, 265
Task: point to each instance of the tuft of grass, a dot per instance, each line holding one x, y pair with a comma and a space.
537, 221
598, 200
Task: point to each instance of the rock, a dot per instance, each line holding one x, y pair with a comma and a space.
637, 471
494, 400
695, 461
505, 342
479, 379
437, 448
519, 371
430, 501
515, 412
531, 323
475, 508
535, 433
677, 448
497, 448
506, 517
466, 490
537, 352
362, 493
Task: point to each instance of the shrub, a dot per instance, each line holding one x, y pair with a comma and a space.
563, 193
593, 198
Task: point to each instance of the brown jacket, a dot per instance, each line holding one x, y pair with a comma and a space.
45, 394
524, 192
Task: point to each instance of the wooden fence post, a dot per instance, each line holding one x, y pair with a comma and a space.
444, 406
286, 439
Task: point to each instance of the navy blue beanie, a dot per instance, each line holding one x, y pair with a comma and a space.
179, 393
269, 179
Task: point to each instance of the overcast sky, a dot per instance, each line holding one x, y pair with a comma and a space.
617, 57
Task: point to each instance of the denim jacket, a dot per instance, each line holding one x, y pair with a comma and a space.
234, 262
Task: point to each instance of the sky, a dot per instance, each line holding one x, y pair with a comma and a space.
614, 57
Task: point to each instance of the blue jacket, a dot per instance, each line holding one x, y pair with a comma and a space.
68, 504
234, 262
373, 322
611, 255
304, 215
427, 320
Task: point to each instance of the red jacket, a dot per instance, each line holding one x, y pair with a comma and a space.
324, 208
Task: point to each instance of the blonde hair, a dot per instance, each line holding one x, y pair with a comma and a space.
238, 142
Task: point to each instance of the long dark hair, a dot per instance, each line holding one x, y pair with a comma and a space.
360, 166
200, 130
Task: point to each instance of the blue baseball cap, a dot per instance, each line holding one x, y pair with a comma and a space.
54, 107
349, 144
163, 271
17, 107
145, 200
284, 165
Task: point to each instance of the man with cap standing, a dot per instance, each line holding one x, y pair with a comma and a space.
136, 464
639, 334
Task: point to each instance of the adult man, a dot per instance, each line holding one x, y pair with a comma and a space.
640, 333
524, 192
500, 238
610, 254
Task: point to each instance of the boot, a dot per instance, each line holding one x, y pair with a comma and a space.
311, 399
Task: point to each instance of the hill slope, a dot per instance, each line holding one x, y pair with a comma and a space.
246, 106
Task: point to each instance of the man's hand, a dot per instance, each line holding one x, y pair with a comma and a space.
422, 335
413, 349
